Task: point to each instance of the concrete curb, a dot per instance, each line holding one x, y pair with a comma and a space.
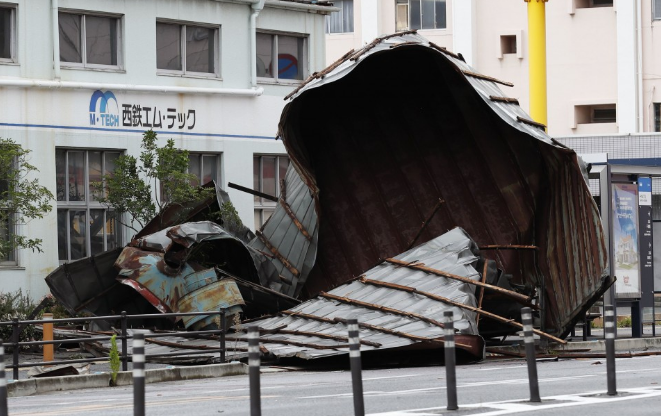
34, 386
622, 344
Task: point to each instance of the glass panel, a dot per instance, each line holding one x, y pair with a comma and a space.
402, 18
94, 170
290, 57
60, 174
194, 168
112, 232
78, 234
76, 176
97, 227
62, 234
200, 47
110, 157
268, 176
70, 37
101, 36
5, 33
258, 219
441, 22
415, 15
264, 55
208, 169
657, 9
428, 14
347, 15
334, 20
283, 163
168, 46
266, 214
255, 176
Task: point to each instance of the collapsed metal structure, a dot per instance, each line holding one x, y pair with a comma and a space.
427, 150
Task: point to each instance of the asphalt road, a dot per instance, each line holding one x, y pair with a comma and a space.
491, 388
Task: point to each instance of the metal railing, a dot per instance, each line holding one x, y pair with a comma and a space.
18, 326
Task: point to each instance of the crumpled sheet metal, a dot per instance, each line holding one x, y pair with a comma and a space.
453, 252
421, 126
282, 232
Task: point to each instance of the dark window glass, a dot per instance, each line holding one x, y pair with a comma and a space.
264, 55
70, 37
5, 32
101, 40
441, 18
168, 46
199, 49
290, 50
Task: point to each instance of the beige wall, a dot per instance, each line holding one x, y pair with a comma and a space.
651, 31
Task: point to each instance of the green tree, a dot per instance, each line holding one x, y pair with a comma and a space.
129, 189
21, 199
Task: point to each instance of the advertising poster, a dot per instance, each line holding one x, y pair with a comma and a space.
625, 240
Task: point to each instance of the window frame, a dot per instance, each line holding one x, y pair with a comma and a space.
407, 3
657, 117
87, 205
219, 165
83, 42
274, 52
182, 31
341, 4
13, 42
262, 204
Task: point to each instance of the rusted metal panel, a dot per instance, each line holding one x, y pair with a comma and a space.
376, 173
223, 294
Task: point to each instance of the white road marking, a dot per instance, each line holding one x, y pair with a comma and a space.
389, 377
519, 406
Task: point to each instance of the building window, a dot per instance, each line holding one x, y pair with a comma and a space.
342, 21
88, 40
508, 44
186, 49
586, 4
85, 227
205, 167
588, 114
7, 34
657, 117
420, 14
267, 173
656, 9
292, 57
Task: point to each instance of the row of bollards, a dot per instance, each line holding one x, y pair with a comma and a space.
254, 363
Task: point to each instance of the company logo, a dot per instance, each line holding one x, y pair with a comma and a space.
104, 109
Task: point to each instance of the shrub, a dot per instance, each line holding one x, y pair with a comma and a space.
17, 305
114, 359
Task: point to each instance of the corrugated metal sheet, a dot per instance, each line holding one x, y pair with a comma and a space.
417, 125
402, 318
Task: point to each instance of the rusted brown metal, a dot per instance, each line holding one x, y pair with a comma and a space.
425, 222
508, 247
486, 78
511, 294
481, 297
395, 45
321, 74
386, 309
318, 335
264, 340
190, 347
375, 42
444, 50
508, 100
459, 305
531, 122
277, 254
92, 299
298, 224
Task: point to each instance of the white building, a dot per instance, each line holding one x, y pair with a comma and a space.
81, 80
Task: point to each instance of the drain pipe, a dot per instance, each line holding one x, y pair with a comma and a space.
56, 39
256, 7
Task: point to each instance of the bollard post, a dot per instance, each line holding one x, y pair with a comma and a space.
609, 327
450, 371
526, 317
138, 374
223, 330
356, 368
254, 364
3, 382
48, 336
125, 353
14, 339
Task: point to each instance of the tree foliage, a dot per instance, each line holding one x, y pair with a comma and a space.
21, 199
129, 189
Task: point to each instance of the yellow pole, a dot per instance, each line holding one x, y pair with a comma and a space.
537, 59
48, 336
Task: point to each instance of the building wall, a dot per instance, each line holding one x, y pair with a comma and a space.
236, 127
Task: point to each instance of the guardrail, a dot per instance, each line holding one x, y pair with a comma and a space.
19, 325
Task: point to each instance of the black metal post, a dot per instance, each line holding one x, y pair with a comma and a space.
356, 368
526, 317
223, 330
450, 373
3, 382
138, 374
609, 326
253, 371
14, 339
125, 355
